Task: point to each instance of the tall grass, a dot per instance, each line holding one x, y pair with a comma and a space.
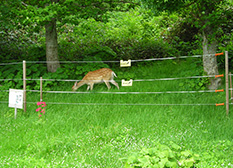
101, 135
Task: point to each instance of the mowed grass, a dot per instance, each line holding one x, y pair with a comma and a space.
97, 135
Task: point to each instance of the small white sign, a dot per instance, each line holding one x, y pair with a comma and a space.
16, 98
127, 83
125, 63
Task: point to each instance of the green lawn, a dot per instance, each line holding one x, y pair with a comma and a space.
98, 135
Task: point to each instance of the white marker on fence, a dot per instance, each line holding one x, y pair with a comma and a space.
125, 63
16, 99
127, 83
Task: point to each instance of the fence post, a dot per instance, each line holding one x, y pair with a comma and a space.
41, 97
24, 86
227, 83
230, 84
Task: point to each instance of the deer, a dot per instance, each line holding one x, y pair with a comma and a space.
105, 75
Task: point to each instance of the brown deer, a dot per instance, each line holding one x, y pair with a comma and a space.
105, 75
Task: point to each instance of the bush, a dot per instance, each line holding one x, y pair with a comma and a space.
35, 71
162, 156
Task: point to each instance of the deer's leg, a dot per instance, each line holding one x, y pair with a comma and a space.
107, 83
88, 87
114, 83
92, 84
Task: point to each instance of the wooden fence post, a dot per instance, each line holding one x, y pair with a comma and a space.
24, 86
41, 97
227, 83
230, 85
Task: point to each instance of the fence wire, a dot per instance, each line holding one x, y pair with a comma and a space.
108, 61
74, 92
135, 80
129, 104
119, 104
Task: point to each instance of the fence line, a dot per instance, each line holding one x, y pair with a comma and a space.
153, 59
112, 61
166, 92
189, 77
131, 104
136, 80
11, 63
121, 104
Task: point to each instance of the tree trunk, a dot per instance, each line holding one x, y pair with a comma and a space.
210, 62
51, 46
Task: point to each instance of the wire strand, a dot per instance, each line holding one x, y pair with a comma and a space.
111, 61
136, 80
166, 92
129, 104
119, 104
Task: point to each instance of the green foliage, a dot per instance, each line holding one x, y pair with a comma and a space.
196, 69
134, 33
162, 156
212, 18
225, 38
41, 12
183, 37
209, 15
126, 75
131, 35
215, 154
101, 53
12, 75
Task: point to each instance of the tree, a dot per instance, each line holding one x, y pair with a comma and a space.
205, 15
53, 13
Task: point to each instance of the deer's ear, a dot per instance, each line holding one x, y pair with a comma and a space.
75, 84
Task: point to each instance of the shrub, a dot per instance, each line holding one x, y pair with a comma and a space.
162, 156
13, 74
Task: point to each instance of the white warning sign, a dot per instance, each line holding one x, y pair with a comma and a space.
127, 83
16, 98
125, 63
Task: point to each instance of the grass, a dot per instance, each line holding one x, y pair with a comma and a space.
101, 135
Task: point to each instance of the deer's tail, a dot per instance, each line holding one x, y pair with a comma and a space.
113, 73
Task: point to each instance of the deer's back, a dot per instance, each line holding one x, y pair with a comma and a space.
104, 73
